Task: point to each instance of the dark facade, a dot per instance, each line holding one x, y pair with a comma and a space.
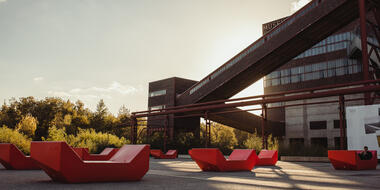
162, 94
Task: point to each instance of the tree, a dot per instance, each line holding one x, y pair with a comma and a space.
101, 109
27, 125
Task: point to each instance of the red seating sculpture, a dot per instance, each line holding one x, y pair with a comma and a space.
13, 159
268, 158
158, 154
350, 160
62, 164
106, 154
211, 159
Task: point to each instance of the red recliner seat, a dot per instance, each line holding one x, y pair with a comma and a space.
171, 154
211, 159
158, 154
268, 158
63, 164
13, 159
350, 160
106, 154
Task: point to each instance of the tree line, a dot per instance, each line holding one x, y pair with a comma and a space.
54, 119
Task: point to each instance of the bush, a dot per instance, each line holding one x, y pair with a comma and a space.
55, 134
13, 136
86, 138
255, 142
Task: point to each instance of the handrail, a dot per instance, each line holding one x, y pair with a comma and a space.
326, 87
335, 92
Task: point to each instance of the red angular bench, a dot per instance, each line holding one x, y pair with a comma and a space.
158, 154
106, 154
62, 164
350, 160
267, 158
211, 159
13, 159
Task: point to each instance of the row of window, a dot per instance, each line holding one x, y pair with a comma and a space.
254, 46
330, 44
157, 93
157, 107
315, 71
315, 125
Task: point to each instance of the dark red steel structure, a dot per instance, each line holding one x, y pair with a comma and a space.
320, 18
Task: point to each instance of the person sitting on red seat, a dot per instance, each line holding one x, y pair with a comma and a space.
365, 155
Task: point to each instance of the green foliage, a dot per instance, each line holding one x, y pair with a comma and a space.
56, 134
223, 137
27, 125
95, 141
13, 136
86, 138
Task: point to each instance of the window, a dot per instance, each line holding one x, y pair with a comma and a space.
285, 80
157, 93
275, 82
319, 141
337, 124
157, 107
295, 78
318, 124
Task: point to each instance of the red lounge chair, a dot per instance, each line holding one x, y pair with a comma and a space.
350, 160
158, 154
106, 154
267, 158
13, 159
81, 151
62, 164
211, 159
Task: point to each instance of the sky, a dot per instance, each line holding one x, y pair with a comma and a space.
111, 49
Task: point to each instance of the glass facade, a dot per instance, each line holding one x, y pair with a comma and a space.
327, 69
330, 44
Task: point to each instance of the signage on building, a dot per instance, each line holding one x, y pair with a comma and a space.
270, 25
363, 127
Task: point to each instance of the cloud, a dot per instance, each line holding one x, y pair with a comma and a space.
95, 93
296, 5
36, 79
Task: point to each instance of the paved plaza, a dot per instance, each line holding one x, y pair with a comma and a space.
183, 173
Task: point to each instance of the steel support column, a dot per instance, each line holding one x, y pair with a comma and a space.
134, 130
263, 125
208, 130
165, 131
363, 35
342, 121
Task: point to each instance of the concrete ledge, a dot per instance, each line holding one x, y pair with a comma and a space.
304, 159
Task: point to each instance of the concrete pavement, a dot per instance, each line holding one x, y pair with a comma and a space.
183, 173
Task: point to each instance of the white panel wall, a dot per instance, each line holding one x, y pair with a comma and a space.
357, 117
